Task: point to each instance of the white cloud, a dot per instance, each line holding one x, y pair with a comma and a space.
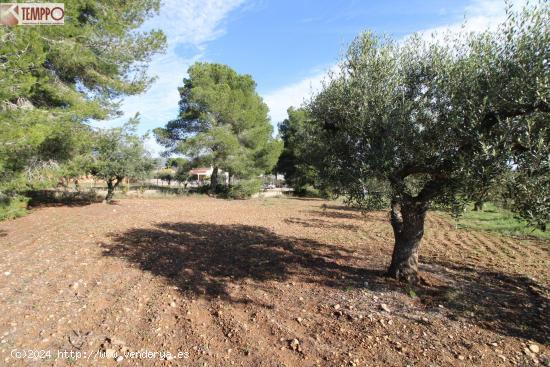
187, 23
291, 95
479, 15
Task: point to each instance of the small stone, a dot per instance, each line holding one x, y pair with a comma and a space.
7, 273
534, 348
172, 304
461, 357
119, 359
294, 344
502, 357
385, 307
299, 319
336, 307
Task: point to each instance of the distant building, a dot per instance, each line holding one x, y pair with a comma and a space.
202, 173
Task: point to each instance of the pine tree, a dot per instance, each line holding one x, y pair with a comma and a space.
222, 121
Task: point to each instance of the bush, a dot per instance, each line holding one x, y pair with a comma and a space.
244, 189
203, 189
308, 191
13, 207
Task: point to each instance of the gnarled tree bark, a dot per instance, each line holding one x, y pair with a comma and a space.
112, 184
478, 206
407, 220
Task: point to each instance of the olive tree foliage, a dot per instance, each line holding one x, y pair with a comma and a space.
422, 119
120, 153
166, 174
55, 79
222, 122
529, 187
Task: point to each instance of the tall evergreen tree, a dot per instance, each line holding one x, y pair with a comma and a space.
222, 121
53, 79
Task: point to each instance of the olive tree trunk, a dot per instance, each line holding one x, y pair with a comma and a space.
112, 184
478, 206
407, 220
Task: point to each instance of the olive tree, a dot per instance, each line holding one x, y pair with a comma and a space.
420, 116
120, 153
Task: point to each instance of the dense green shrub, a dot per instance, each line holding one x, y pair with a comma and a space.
307, 191
244, 189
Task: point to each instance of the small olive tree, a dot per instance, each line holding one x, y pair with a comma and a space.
120, 153
421, 116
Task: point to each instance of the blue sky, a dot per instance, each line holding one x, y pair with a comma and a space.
287, 46
280, 42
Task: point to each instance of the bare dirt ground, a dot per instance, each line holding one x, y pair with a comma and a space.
276, 282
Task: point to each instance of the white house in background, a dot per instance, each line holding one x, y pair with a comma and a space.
204, 173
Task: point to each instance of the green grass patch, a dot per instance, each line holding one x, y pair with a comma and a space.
502, 221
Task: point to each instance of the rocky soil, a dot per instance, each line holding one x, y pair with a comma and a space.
266, 282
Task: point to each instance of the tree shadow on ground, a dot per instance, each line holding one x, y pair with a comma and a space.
205, 259
510, 304
55, 198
